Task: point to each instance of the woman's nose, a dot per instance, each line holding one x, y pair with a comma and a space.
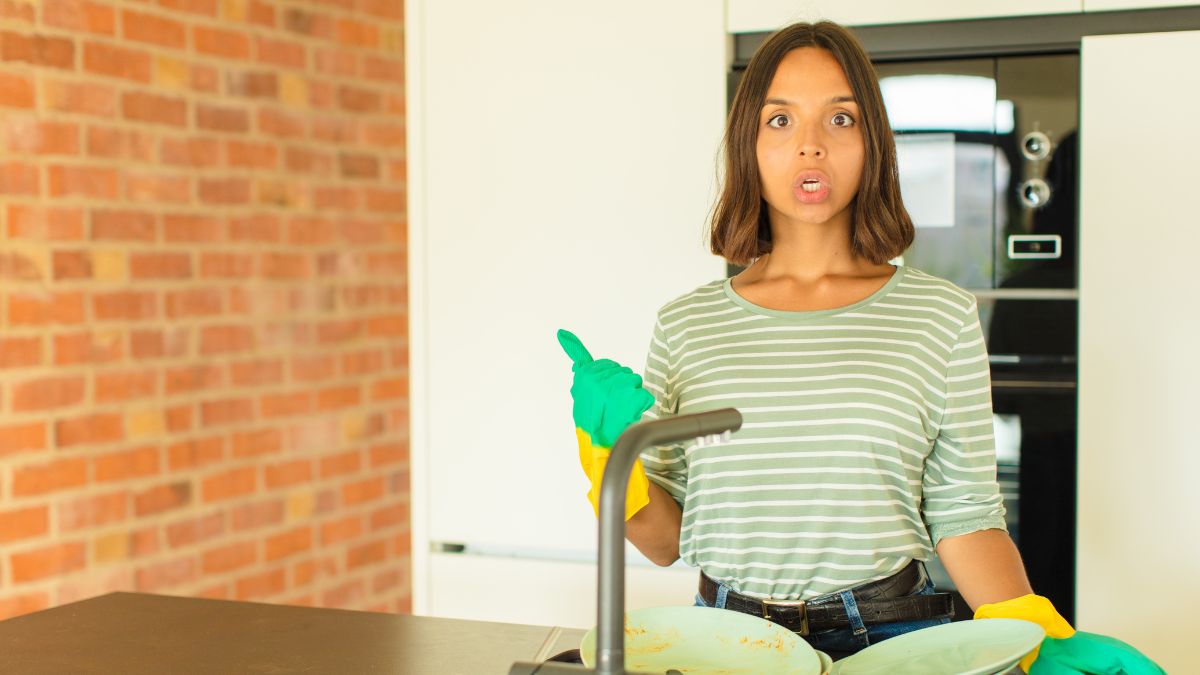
809, 142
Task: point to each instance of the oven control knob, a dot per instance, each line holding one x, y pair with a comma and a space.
1035, 145
1034, 192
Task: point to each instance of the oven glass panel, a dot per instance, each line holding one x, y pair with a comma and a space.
943, 115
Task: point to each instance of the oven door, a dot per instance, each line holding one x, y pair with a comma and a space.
1032, 348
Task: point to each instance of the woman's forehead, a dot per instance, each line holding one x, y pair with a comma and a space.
808, 74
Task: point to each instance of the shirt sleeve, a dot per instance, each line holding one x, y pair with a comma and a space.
666, 465
961, 494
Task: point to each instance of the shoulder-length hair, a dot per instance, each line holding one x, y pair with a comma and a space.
880, 227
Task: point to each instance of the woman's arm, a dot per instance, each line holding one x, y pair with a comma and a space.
985, 566
654, 529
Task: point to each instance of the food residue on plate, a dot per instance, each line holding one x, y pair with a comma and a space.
777, 643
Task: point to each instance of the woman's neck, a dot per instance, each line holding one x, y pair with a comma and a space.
808, 252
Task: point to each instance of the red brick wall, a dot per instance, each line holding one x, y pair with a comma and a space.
203, 312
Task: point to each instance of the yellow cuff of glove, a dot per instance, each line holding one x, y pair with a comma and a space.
593, 459
1033, 608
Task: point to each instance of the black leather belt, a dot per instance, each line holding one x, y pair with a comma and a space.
882, 601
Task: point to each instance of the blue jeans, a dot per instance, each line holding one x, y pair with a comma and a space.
842, 642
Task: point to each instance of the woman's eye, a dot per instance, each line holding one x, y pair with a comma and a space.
778, 121
842, 120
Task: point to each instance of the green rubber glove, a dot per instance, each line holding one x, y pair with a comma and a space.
608, 397
1088, 653
1066, 651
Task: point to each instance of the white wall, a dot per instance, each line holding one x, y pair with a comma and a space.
563, 162
1139, 451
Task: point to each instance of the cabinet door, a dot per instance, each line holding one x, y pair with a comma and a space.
1110, 5
544, 592
753, 16
1139, 457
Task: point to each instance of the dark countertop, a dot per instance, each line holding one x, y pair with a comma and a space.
132, 633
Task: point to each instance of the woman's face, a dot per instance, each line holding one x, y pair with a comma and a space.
810, 146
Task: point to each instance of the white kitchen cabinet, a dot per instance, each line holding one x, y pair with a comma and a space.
1139, 367
753, 16
1110, 5
562, 163
545, 592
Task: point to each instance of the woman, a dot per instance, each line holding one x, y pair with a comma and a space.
864, 387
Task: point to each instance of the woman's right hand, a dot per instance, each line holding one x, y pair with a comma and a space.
607, 399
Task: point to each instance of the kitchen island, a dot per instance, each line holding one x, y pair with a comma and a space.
134, 633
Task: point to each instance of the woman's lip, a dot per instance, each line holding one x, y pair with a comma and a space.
815, 197
810, 174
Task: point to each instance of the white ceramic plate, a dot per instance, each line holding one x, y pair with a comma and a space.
982, 647
706, 640
826, 662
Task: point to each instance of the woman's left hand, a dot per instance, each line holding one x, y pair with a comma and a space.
1066, 651
1086, 653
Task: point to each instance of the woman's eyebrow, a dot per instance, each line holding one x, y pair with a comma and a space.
784, 101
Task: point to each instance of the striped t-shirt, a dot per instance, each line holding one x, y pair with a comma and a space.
866, 434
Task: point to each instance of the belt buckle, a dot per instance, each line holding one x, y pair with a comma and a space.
801, 604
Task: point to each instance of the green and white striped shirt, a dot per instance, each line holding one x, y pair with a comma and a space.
867, 433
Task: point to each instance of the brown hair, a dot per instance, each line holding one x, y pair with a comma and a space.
880, 227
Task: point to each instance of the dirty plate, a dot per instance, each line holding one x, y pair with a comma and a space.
982, 647
826, 662
707, 640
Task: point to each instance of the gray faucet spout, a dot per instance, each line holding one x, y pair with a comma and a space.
610, 624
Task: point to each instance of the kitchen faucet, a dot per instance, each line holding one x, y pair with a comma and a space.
610, 600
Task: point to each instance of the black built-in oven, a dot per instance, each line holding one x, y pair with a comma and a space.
1009, 236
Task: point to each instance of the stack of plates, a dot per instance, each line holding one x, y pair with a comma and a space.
983, 647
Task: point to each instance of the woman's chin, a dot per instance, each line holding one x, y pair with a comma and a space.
814, 214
